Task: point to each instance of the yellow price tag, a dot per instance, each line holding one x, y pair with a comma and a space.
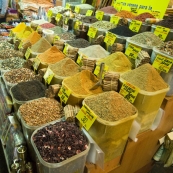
67, 6
135, 25
156, 14
129, 91
115, 19
86, 117
28, 53
64, 94
97, 70
110, 38
65, 50
118, 6
77, 23
161, 32
99, 15
48, 76
36, 63
77, 9
58, 17
79, 60
89, 13
49, 13
92, 32
66, 20
132, 51
11, 33
55, 39
20, 45
38, 27
162, 63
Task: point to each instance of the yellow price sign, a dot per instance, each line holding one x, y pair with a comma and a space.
36, 63
67, 6
65, 50
49, 13
132, 51
48, 76
135, 25
58, 17
118, 6
89, 13
92, 32
129, 91
86, 117
115, 20
77, 23
156, 14
97, 70
77, 9
20, 45
162, 63
79, 60
110, 38
28, 53
161, 32
55, 39
99, 15
64, 94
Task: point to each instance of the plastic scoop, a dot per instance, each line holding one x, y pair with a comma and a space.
99, 83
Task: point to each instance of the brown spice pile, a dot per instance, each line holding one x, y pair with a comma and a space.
33, 38
145, 78
65, 67
143, 16
125, 14
51, 55
81, 83
110, 106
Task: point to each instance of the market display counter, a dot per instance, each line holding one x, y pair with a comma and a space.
138, 155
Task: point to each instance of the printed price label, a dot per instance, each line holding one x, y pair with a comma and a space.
129, 91
99, 15
48, 76
89, 13
28, 53
77, 9
20, 45
115, 20
55, 39
156, 14
161, 32
67, 6
36, 63
58, 17
92, 32
79, 60
77, 23
64, 94
97, 70
65, 50
135, 25
110, 38
49, 13
132, 51
162, 63
86, 117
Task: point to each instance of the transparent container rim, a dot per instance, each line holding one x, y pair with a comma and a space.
154, 26
55, 165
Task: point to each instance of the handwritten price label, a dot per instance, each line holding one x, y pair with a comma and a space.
64, 94
89, 13
135, 25
48, 76
110, 38
86, 117
56, 38
58, 17
132, 51
67, 6
28, 53
36, 63
92, 32
115, 20
20, 45
65, 50
77, 9
99, 15
79, 60
77, 23
162, 63
129, 91
118, 6
97, 70
161, 32
49, 13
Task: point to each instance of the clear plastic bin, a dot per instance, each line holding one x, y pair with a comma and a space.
167, 77
75, 164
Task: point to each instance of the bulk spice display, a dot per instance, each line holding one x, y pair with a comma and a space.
57, 30
108, 10
143, 16
89, 19
167, 48
103, 25
142, 58
32, 38
47, 25
6, 45
78, 43
25, 33
9, 53
67, 36
168, 23
125, 14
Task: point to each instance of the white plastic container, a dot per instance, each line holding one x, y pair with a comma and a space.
167, 77
74, 164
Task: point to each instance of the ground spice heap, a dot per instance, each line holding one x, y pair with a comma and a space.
143, 16
9, 53
59, 142
81, 83
168, 23
103, 25
19, 75
20, 27
51, 55
25, 33
108, 10
110, 106
79, 43
29, 90
145, 78
57, 30
65, 67
67, 36
32, 38
167, 48
117, 62
89, 19
147, 38
41, 111
125, 14
47, 25
41, 46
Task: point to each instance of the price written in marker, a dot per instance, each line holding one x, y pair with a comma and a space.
58, 17
99, 15
67, 6
132, 51
89, 13
65, 50
20, 45
92, 32
162, 63
118, 6
79, 60
110, 38
77, 23
56, 38
115, 20
48, 76
36, 63
135, 25
49, 13
97, 70
77, 9
64, 94
86, 117
28, 53
161, 32
129, 92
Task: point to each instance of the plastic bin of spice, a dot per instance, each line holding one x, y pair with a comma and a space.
73, 164
167, 77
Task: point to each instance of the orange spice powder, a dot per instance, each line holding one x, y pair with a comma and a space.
32, 38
